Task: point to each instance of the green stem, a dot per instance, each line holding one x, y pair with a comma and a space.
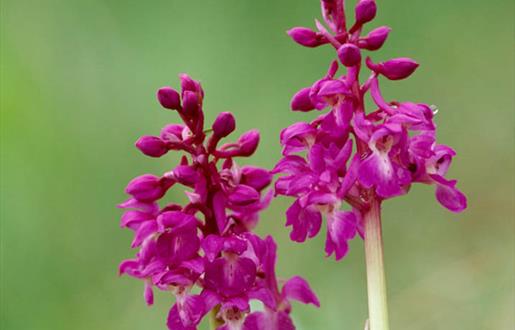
214, 322
376, 283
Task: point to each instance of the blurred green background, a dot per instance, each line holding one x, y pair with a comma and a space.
77, 88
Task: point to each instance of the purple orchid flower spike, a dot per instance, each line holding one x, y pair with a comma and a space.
207, 246
394, 146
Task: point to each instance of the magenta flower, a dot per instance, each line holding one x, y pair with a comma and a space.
353, 155
208, 243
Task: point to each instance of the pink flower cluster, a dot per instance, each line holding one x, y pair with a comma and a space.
395, 144
204, 252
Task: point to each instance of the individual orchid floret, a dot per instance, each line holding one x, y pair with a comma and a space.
148, 187
301, 101
244, 147
248, 143
365, 11
394, 69
152, 146
378, 170
169, 98
341, 228
190, 104
224, 125
307, 37
349, 54
348, 155
333, 12
204, 252
375, 38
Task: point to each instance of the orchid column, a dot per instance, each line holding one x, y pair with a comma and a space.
348, 154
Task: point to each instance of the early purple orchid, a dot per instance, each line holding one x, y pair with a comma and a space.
207, 243
394, 146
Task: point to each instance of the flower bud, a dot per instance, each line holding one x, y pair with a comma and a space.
301, 100
151, 146
185, 175
243, 195
133, 218
172, 133
175, 220
169, 98
399, 68
365, 11
394, 69
248, 143
349, 54
375, 38
332, 88
224, 124
188, 84
333, 15
306, 37
190, 104
145, 188
257, 178
298, 132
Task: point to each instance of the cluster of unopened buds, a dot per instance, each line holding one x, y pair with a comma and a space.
205, 252
349, 155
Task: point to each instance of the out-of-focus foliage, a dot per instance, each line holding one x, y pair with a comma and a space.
77, 89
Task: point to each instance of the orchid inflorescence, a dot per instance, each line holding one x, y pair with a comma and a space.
395, 145
205, 252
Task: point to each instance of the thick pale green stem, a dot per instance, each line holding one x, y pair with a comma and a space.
376, 283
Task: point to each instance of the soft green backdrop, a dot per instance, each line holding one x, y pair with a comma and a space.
77, 89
